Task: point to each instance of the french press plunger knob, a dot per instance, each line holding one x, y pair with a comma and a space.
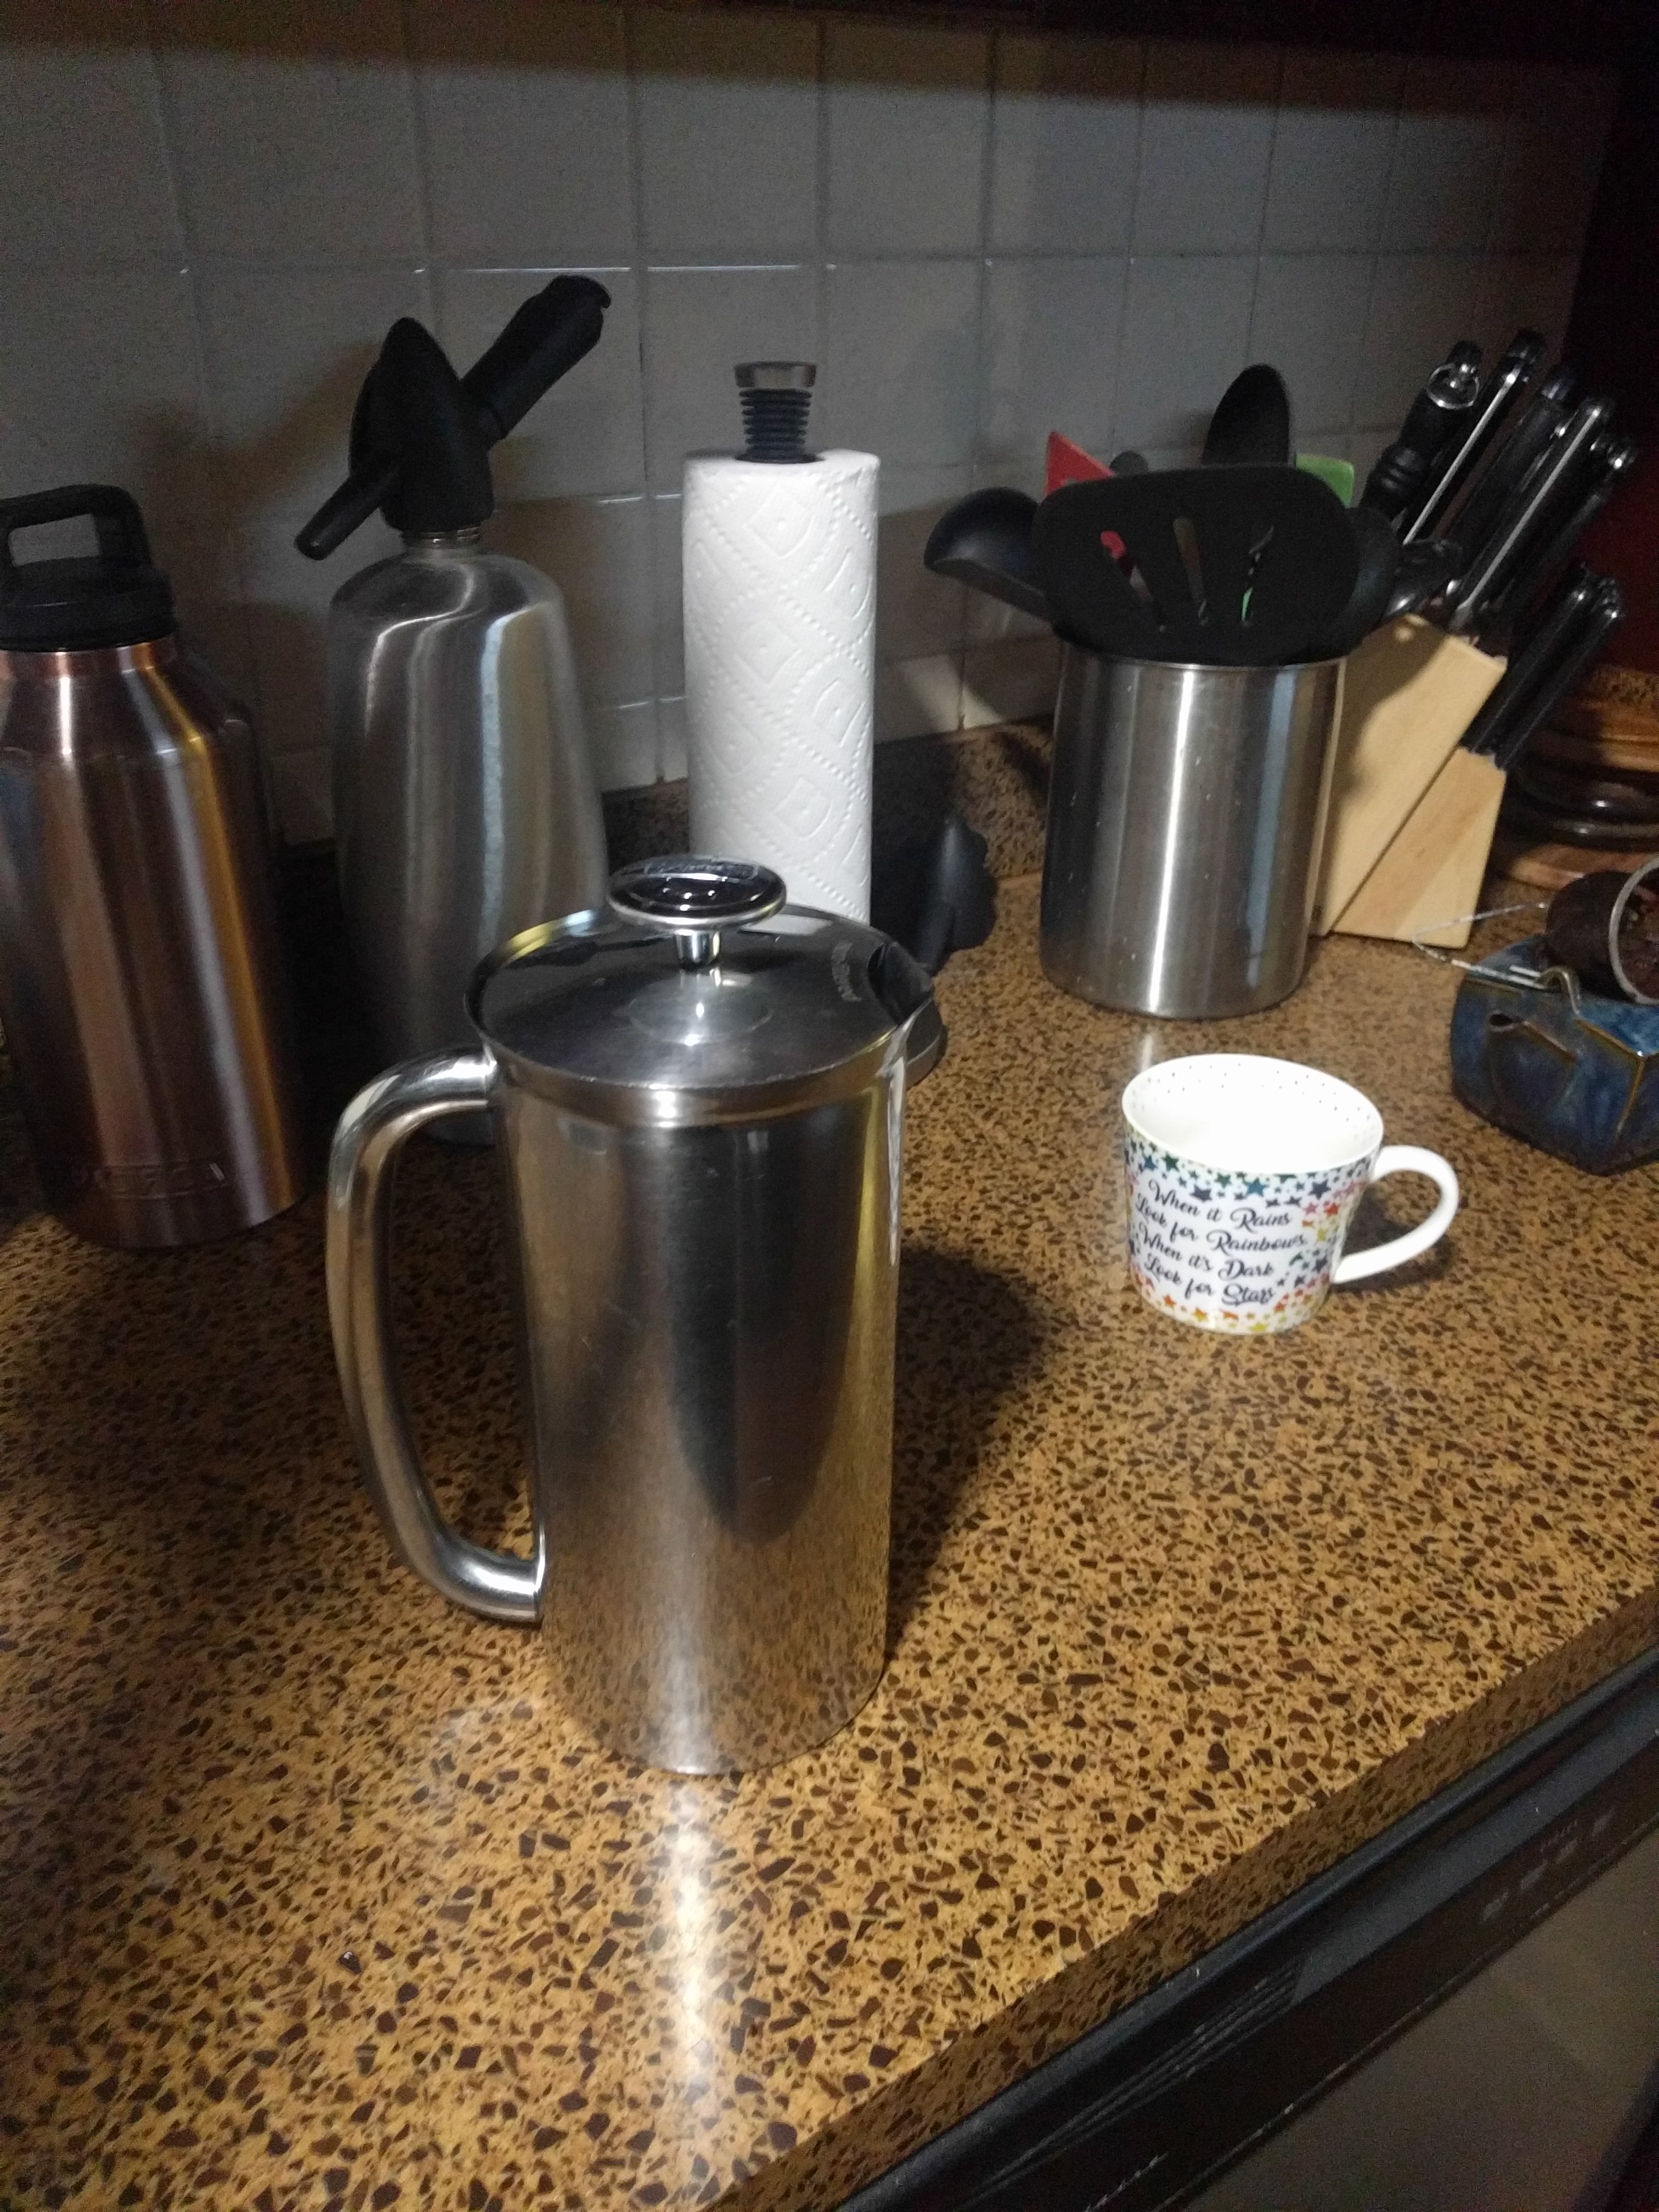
692, 898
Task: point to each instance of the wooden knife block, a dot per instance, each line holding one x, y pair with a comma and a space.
1412, 814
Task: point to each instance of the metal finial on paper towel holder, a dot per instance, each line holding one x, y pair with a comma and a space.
776, 397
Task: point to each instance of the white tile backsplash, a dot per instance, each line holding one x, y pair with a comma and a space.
1186, 334
1338, 114
728, 124
294, 137
918, 695
1049, 349
210, 212
1065, 144
100, 381
1526, 290
524, 110
625, 743
1207, 141
899, 360
1310, 321
667, 515
83, 154
908, 112
1010, 679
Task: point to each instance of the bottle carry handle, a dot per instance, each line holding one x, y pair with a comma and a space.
113, 513
372, 1129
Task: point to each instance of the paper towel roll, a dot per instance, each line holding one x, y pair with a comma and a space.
779, 600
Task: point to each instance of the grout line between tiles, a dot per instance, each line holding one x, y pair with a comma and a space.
418, 137
821, 264
1114, 440
1376, 243
1266, 199
639, 262
231, 544
963, 623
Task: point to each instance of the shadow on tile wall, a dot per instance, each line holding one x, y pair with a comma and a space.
208, 218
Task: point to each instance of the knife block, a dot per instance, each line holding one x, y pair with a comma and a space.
1412, 814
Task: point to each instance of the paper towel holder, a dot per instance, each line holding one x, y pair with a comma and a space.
776, 396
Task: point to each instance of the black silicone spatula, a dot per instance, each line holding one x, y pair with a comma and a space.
1235, 567
1252, 422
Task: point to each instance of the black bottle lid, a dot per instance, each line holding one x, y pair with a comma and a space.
116, 596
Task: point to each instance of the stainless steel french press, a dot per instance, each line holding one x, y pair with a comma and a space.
698, 1100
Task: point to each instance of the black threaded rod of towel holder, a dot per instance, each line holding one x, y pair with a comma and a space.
776, 397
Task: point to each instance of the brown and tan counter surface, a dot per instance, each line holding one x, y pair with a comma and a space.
311, 1895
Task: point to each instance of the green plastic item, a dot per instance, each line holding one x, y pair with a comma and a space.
1339, 475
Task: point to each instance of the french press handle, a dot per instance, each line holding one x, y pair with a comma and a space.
378, 1123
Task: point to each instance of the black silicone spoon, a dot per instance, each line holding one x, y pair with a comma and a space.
985, 540
1252, 422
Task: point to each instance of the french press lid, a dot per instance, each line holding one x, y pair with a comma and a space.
700, 996
116, 596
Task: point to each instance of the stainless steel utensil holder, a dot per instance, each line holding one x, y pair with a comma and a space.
1186, 813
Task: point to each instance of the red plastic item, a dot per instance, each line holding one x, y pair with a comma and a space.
1069, 464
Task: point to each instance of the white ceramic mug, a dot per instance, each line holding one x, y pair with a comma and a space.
1243, 1175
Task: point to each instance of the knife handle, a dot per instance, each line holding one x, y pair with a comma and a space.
1606, 611
1499, 395
1611, 459
1499, 556
1439, 412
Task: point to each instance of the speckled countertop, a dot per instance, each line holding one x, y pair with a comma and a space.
309, 1895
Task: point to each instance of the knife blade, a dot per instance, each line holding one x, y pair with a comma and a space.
1497, 396
1494, 560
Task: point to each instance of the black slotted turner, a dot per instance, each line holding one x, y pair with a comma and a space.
1235, 567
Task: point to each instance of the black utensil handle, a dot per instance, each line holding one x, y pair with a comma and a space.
1497, 396
113, 513
546, 337
1435, 417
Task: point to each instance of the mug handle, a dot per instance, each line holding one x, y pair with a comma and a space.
1403, 1159
373, 1127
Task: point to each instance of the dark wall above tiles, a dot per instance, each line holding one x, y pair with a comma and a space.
981, 228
